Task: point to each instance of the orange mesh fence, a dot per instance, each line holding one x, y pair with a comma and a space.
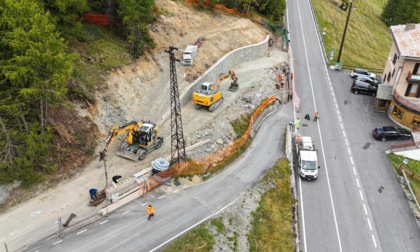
97, 19
209, 163
219, 7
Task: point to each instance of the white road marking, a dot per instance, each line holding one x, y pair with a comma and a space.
347, 142
103, 222
125, 212
319, 129
185, 187
357, 181
370, 226
162, 197
348, 150
339, 118
303, 215
176, 191
143, 204
84, 230
351, 160
354, 170
344, 134
336, 106
342, 128
57, 242
361, 195
374, 242
364, 206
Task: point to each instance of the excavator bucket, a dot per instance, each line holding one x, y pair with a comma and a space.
127, 154
234, 86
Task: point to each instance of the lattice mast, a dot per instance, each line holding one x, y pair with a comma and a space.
178, 153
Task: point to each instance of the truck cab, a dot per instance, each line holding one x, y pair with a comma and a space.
307, 158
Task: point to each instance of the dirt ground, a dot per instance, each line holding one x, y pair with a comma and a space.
140, 91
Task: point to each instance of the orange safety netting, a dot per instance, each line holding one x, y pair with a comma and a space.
97, 19
219, 7
206, 164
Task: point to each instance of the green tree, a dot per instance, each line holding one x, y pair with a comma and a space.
135, 17
64, 13
34, 70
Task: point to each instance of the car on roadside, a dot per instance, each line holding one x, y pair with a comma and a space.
362, 72
360, 87
391, 133
366, 79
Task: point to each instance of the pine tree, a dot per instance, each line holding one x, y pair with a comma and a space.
34, 69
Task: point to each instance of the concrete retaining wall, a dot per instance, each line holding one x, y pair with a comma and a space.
235, 57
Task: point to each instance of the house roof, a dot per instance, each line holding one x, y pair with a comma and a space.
408, 42
384, 92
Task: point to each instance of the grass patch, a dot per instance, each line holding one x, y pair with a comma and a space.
240, 125
218, 224
368, 39
413, 165
199, 239
272, 224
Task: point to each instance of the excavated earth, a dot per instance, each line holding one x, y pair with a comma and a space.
140, 91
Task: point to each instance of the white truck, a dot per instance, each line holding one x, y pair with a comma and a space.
307, 158
189, 54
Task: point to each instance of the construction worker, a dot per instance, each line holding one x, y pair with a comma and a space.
116, 178
297, 123
280, 77
93, 194
316, 116
150, 211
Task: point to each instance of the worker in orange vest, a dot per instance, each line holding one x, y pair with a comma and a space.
280, 77
150, 211
316, 116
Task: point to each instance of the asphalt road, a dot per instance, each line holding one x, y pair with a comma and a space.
127, 229
344, 210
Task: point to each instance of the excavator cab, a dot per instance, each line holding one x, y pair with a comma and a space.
206, 88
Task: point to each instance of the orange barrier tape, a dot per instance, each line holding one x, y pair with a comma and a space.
219, 7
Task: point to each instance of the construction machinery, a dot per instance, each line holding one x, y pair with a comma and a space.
142, 137
209, 95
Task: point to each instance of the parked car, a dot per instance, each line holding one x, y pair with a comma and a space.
362, 72
363, 88
390, 133
366, 79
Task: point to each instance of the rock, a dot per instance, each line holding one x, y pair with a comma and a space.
6, 189
208, 150
198, 137
206, 133
246, 99
219, 141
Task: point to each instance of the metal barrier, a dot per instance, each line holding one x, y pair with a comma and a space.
404, 146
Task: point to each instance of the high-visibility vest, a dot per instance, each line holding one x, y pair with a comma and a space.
150, 210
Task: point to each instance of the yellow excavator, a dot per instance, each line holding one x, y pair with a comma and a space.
209, 95
142, 137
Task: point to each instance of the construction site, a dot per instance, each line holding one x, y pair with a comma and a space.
174, 104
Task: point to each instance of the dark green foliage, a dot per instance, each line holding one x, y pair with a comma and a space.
135, 16
401, 12
34, 69
199, 239
64, 13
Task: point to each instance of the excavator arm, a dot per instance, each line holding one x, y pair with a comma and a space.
223, 76
114, 132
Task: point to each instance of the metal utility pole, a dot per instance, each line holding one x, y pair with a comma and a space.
178, 153
344, 34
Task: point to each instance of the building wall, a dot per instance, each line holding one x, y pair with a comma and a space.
389, 66
406, 119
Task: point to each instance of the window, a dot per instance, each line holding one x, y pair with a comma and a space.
384, 78
416, 121
397, 112
395, 59
382, 103
389, 76
393, 72
416, 70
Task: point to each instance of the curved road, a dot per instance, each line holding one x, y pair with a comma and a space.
344, 210
127, 229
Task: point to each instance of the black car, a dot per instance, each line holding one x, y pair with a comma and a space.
362, 72
390, 133
363, 88
366, 79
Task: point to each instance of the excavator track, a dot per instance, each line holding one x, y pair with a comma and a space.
215, 105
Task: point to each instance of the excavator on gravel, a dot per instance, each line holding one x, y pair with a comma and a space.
209, 95
142, 137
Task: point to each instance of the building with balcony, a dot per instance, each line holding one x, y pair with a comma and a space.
402, 72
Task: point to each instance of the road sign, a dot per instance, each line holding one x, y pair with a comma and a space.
405, 161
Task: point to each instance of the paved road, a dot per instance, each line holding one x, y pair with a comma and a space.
343, 210
130, 231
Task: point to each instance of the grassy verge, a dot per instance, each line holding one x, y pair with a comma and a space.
199, 239
368, 39
413, 165
272, 225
